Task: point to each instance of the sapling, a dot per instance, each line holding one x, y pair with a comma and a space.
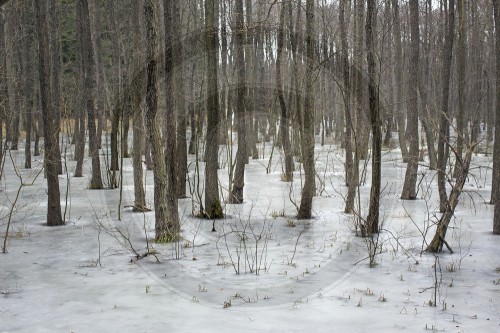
14, 203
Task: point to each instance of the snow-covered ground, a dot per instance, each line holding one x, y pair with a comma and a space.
295, 276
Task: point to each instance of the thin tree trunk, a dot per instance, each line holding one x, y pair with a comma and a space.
399, 80
55, 74
309, 189
101, 117
496, 153
192, 114
172, 213
349, 128
250, 58
461, 52
28, 86
444, 125
213, 208
373, 213
54, 217
137, 114
3, 85
436, 245
241, 154
284, 122
89, 87
80, 112
409, 186
180, 101
153, 124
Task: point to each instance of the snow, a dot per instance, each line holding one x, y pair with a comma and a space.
312, 275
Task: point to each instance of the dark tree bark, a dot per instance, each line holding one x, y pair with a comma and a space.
309, 189
399, 80
80, 112
3, 85
436, 245
137, 91
373, 214
55, 63
349, 128
496, 153
27, 82
251, 63
409, 186
213, 208
239, 60
461, 53
153, 124
54, 217
426, 103
89, 91
100, 98
172, 214
117, 111
284, 122
180, 101
444, 125
193, 141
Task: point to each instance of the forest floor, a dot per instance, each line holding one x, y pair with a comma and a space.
293, 276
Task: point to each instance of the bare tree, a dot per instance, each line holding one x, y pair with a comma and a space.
309, 188
89, 91
409, 186
213, 208
398, 68
171, 130
496, 157
55, 73
137, 114
444, 124
3, 84
54, 217
461, 53
239, 59
153, 123
349, 128
180, 100
373, 213
284, 119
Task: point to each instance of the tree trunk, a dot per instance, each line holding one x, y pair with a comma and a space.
436, 245
54, 217
101, 117
27, 83
349, 128
180, 101
3, 85
444, 125
461, 53
373, 213
496, 153
409, 187
172, 213
309, 189
153, 124
89, 87
213, 208
284, 122
399, 80
192, 114
55, 61
80, 112
138, 81
239, 60
251, 60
